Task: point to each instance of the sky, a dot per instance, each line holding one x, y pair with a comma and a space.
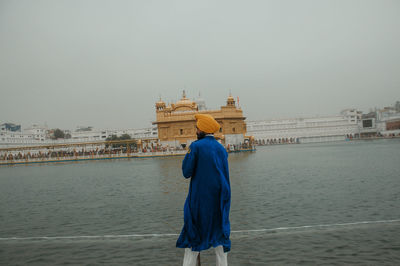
105, 63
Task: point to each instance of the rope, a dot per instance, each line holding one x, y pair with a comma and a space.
175, 235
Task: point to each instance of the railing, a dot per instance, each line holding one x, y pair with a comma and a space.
68, 157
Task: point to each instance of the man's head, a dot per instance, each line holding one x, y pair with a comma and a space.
206, 124
200, 134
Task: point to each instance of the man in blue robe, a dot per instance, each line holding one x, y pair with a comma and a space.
206, 210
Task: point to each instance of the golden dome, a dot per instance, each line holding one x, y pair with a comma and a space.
230, 101
185, 102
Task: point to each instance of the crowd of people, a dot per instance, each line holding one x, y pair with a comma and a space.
46, 154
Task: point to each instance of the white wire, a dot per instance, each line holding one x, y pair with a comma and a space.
316, 226
173, 234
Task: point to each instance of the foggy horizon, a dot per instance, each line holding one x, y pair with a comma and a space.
105, 63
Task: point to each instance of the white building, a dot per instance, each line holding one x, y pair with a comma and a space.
35, 135
89, 135
103, 134
381, 123
39, 135
388, 121
39, 132
305, 130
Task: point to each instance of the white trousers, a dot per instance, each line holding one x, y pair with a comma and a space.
190, 257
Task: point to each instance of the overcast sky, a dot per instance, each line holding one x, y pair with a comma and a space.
105, 63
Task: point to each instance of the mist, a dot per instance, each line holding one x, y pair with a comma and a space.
105, 63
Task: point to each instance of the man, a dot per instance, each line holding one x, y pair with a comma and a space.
206, 210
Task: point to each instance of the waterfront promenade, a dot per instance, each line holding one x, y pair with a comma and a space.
90, 157
114, 150
92, 151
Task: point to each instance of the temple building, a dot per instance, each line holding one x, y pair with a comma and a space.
177, 125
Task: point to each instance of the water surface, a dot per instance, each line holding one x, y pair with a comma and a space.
103, 211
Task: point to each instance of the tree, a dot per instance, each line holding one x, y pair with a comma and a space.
125, 137
113, 137
122, 137
58, 134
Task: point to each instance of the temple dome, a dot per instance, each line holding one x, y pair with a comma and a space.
230, 101
185, 103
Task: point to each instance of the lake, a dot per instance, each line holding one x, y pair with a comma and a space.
303, 204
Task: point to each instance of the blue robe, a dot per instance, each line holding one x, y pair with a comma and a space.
206, 210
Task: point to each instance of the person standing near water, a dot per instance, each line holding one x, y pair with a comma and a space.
206, 209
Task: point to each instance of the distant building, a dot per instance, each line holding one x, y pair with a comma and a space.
306, 130
382, 122
176, 123
10, 127
102, 134
397, 106
87, 134
389, 120
349, 124
175, 126
39, 132
368, 125
34, 135
83, 128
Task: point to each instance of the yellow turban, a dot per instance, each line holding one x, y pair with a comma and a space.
207, 123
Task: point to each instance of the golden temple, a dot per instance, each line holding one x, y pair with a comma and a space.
177, 125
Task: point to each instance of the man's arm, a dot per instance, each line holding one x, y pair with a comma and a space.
189, 163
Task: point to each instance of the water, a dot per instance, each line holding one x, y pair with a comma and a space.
308, 204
